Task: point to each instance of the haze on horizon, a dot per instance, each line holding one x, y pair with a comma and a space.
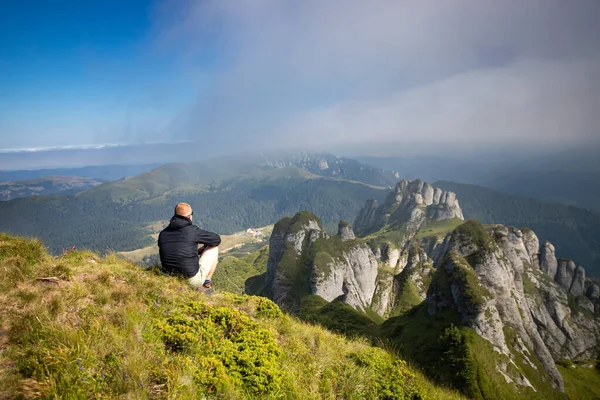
236, 76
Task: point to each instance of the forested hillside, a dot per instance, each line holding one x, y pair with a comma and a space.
574, 231
115, 216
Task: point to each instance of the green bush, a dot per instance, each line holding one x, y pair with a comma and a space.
391, 379
266, 308
228, 347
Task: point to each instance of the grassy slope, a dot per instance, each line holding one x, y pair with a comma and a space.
438, 229
232, 272
581, 382
78, 324
113, 215
458, 356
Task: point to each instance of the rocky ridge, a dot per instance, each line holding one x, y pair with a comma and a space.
530, 306
493, 279
304, 259
409, 205
328, 165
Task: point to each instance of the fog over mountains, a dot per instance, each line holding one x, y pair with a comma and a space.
237, 192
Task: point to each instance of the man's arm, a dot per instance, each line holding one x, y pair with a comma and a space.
207, 238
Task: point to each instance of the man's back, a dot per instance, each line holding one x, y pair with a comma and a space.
178, 245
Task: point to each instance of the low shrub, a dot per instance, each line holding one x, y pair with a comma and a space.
391, 379
228, 347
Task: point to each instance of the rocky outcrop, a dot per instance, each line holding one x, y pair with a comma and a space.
492, 298
532, 308
565, 273
351, 276
410, 204
345, 231
284, 268
303, 255
510, 289
548, 260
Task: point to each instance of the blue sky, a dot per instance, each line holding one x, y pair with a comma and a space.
266, 73
82, 72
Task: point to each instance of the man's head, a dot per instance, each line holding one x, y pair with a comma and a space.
184, 210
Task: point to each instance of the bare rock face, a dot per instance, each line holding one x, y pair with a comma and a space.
410, 204
510, 289
351, 274
289, 239
303, 255
485, 272
530, 306
578, 283
345, 231
565, 273
532, 244
360, 274
593, 291
548, 260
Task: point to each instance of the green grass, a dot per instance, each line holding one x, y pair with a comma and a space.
582, 380
474, 232
232, 272
337, 316
408, 298
81, 326
389, 235
538, 378
438, 229
454, 270
457, 356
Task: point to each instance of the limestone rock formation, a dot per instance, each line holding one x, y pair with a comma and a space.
345, 231
304, 259
284, 267
509, 291
528, 305
548, 260
351, 275
411, 204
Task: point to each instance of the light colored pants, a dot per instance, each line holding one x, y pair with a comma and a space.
207, 262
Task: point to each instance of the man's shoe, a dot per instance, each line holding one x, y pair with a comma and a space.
207, 284
206, 291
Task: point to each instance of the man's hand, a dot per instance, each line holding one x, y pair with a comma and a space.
201, 249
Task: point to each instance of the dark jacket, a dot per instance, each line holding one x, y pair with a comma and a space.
178, 245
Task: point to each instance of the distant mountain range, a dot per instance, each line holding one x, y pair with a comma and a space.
228, 194
233, 193
569, 177
45, 186
101, 173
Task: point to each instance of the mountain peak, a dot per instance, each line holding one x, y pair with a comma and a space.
410, 205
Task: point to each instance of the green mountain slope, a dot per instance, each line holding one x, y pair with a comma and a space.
114, 215
575, 232
80, 326
469, 304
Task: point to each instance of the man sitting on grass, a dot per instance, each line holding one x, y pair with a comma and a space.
179, 251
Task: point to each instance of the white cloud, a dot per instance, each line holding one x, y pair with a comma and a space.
322, 72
